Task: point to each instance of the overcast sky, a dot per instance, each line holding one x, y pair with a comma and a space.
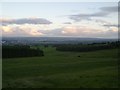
65, 19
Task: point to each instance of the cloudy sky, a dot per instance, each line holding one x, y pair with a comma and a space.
65, 19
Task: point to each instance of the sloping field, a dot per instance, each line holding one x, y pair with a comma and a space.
63, 70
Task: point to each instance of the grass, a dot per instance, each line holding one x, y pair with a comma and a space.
63, 70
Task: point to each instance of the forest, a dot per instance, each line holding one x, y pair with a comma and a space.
20, 51
88, 47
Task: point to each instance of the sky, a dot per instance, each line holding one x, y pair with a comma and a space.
59, 19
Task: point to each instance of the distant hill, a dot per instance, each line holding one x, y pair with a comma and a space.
52, 40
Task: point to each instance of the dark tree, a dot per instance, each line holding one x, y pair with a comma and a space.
20, 51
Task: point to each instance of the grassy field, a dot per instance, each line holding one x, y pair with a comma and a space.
56, 69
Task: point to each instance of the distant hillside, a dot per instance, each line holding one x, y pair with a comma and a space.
52, 40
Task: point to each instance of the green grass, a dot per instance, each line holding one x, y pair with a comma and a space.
63, 70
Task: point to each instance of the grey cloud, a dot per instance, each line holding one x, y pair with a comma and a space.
80, 17
111, 25
26, 21
110, 9
104, 11
67, 23
101, 21
53, 32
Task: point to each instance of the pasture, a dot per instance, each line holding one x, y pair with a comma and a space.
96, 69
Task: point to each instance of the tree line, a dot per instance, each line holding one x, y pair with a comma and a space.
20, 51
88, 47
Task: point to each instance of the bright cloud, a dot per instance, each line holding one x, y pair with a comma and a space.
21, 30
35, 33
65, 30
69, 30
89, 32
6, 29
